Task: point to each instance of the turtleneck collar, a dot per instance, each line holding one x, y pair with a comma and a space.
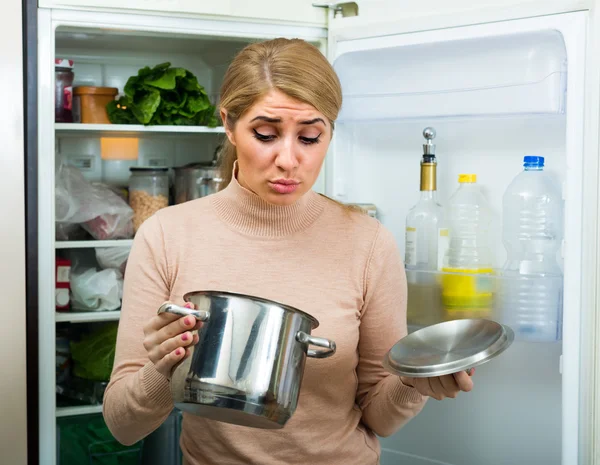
250, 214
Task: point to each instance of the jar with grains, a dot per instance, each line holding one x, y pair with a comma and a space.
63, 90
148, 192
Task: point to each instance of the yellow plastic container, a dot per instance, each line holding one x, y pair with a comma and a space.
467, 293
89, 104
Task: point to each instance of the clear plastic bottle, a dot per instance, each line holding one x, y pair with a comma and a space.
466, 285
530, 294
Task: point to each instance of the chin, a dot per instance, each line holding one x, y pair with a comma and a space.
282, 199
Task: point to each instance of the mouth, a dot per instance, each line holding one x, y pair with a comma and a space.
284, 186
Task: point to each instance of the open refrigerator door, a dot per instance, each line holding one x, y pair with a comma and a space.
493, 93
130, 160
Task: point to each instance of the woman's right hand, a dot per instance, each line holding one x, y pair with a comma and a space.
168, 339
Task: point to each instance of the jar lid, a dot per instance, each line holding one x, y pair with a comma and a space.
63, 63
91, 90
148, 168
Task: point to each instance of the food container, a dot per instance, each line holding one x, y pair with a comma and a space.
63, 90
89, 105
195, 180
148, 192
248, 364
63, 284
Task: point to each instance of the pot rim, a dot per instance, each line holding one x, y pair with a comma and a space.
313, 320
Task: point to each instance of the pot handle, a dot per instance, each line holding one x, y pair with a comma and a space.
169, 307
304, 338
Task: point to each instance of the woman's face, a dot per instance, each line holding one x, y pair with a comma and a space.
281, 144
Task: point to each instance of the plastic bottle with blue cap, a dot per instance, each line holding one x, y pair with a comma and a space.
530, 289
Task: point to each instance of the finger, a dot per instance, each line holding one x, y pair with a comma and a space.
464, 381
449, 385
183, 323
436, 388
159, 321
163, 319
193, 307
157, 352
423, 387
410, 382
188, 352
166, 364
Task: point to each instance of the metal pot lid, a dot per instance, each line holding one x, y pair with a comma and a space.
448, 347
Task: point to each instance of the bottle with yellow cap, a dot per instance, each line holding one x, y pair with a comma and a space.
466, 287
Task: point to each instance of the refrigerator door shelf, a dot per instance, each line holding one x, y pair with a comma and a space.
524, 73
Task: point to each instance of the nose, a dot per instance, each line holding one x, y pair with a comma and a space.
286, 159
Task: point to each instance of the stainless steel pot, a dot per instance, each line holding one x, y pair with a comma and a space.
194, 181
248, 365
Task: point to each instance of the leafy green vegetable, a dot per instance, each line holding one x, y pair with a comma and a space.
94, 355
163, 96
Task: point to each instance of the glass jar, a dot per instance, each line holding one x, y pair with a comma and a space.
148, 192
210, 182
63, 90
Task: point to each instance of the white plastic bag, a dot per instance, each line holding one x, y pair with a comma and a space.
113, 257
94, 206
94, 290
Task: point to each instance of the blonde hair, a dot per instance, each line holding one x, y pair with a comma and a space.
292, 66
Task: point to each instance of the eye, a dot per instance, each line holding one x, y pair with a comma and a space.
262, 137
310, 140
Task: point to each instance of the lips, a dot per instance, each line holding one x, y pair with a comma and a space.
285, 182
284, 186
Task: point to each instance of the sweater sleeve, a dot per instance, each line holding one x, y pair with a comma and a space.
386, 403
138, 398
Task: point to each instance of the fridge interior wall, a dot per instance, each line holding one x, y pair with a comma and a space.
108, 58
491, 101
517, 397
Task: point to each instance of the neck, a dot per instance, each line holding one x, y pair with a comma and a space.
245, 211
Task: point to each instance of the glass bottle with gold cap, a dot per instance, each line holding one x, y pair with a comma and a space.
425, 218
466, 290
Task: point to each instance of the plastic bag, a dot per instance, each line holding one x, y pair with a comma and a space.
113, 257
95, 206
86, 440
94, 355
94, 290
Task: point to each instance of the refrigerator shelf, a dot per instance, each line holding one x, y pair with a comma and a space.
79, 130
78, 410
512, 74
435, 296
93, 244
87, 317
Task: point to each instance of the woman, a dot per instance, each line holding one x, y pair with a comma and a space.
268, 234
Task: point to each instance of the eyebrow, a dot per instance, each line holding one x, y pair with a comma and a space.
278, 120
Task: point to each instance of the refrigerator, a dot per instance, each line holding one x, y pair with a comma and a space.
497, 82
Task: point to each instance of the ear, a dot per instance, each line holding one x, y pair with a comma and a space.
228, 130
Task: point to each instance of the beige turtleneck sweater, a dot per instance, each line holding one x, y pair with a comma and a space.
341, 267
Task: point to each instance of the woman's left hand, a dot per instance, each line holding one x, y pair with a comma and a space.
441, 387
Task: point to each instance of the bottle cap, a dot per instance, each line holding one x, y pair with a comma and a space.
530, 161
467, 178
429, 146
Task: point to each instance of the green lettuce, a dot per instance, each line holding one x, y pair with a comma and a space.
94, 355
163, 96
